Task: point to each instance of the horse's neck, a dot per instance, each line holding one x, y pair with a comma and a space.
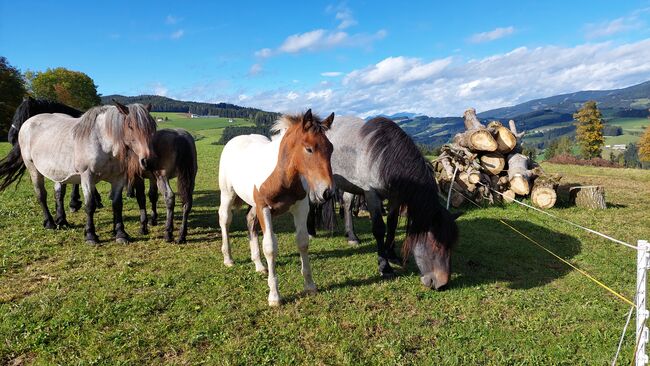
283, 187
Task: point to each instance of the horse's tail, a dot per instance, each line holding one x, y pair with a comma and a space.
21, 115
12, 167
186, 166
328, 215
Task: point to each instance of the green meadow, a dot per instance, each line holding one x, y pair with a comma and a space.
150, 302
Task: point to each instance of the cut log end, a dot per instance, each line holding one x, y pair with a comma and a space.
482, 140
508, 196
493, 162
543, 197
519, 185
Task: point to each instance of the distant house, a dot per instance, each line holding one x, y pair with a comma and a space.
159, 119
619, 147
230, 120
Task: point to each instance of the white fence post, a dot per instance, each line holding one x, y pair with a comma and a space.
642, 261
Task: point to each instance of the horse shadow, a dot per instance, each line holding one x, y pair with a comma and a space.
488, 252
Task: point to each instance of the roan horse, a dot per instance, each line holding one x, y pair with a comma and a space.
273, 177
378, 160
175, 153
97, 146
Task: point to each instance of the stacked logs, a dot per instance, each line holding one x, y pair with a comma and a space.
485, 160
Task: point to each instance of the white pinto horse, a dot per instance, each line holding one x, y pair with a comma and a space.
273, 177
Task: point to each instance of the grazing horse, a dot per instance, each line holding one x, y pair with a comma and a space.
378, 160
175, 153
29, 108
97, 146
273, 177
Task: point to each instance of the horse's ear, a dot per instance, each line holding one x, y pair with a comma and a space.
121, 107
456, 215
307, 120
148, 106
327, 122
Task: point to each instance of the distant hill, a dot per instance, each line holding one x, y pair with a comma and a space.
164, 104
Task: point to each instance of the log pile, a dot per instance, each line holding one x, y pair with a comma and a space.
485, 164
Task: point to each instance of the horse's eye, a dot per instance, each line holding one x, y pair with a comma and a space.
309, 149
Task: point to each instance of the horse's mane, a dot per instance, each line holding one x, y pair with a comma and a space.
288, 120
115, 129
31, 107
408, 176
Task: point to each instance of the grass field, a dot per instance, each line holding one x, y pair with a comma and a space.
149, 302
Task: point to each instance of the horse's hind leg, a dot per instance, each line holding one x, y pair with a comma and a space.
252, 222
118, 223
41, 194
168, 193
348, 198
379, 230
88, 186
59, 195
153, 198
75, 199
225, 218
188, 201
138, 190
300, 211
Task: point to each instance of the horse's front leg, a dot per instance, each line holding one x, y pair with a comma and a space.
153, 199
138, 188
75, 199
270, 247
88, 187
300, 211
59, 195
391, 222
118, 222
379, 231
348, 198
251, 222
38, 180
168, 193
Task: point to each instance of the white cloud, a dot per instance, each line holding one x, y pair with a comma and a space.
346, 18
298, 42
171, 20
331, 74
492, 35
612, 27
255, 69
157, 88
264, 53
444, 87
178, 34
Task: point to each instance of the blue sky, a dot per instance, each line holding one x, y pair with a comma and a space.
355, 57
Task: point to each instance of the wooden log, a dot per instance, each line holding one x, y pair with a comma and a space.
518, 174
544, 192
477, 137
592, 197
506, 140
508, 196
493, 162
513, 129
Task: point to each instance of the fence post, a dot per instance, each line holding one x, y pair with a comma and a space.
642, 262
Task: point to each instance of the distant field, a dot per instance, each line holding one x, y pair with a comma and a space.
630, 124
181, 120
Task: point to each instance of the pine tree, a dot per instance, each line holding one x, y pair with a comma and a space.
644, 145
589, 130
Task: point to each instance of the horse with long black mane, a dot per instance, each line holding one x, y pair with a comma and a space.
30, 107
378, 160
96, 146
273, 177
175, 157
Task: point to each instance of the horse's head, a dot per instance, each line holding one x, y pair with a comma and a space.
139, 129
432, 250
310, 152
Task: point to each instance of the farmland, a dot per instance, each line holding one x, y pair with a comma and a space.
150, 302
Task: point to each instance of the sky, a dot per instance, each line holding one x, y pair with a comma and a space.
354, 57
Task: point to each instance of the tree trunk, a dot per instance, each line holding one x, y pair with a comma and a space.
477, 137
493, 162
506, 140
518, 174
592, 197
544, 193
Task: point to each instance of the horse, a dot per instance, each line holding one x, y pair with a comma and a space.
175, 153
96, 146
378, 160
30, 107
273, 177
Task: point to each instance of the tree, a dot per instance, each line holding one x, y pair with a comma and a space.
589, 130
631, 157
73, 88
644, 145
12, 91
561, 146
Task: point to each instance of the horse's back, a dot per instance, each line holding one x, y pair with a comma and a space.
246, 162
47, 143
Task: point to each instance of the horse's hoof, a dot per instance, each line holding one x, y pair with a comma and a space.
153, 222
396, 261
262, 270
62, 224
74, 209
228, 263
48, 224
275, 303
122, 240
311, 290
144, 231
353, 243
387, 275
181, 241
312, 236
92, 240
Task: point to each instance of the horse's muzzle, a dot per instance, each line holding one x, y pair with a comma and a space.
429, 280
144, 163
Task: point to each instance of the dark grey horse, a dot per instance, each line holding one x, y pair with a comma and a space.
378, 160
